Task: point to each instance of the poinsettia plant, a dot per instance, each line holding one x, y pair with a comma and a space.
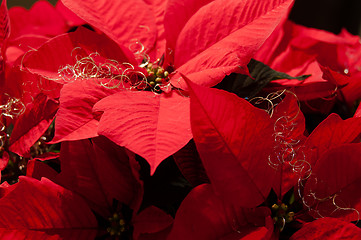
153, 119
243, 167
152, 125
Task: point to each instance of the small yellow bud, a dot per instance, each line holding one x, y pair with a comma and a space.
112, 232
160, 72
275, 207
290, 216
284, 207
115, 217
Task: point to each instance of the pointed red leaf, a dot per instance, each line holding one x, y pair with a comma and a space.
234, 145
227, 33
289, 128
152, 125
328, 228
289, 108
74, 119
4, 33
330, 133
32, 124
71, 18
158, 8
338, 79
43, 205
176, 16
23, 234
26, 86
333, 188
202, 215
37, 169
64, 50
100, 171
19, 46
4, 23
120, 20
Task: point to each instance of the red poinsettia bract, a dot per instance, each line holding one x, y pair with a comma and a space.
31, 209
27, 101
237, 149
152, 125
105, 178
332, 60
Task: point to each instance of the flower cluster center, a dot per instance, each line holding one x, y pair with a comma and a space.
157, 77
117, 225
281, 215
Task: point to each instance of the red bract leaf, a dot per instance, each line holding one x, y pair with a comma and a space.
19, 46
4, 34
297, 49
100, 171
227, 33
328, 228
32, 124
63, 50
151, 220
151, 125
289, 110
338, 79
352, 91
177, 15
23, 234
333, 188
4, 23
121, 21
43, 205
330, 133
202, 215
118, 172
70, 17
190, 164
26, 86
288, 135
157, 8
41, 19
37, 169
74, 119
4, 159
234, 145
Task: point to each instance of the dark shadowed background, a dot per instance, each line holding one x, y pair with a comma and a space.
25, 3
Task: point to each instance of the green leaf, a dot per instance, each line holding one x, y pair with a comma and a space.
249, 86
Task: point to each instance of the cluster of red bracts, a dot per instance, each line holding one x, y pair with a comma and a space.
97, 95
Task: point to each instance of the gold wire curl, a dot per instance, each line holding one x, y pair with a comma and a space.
311, 202
12, 108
